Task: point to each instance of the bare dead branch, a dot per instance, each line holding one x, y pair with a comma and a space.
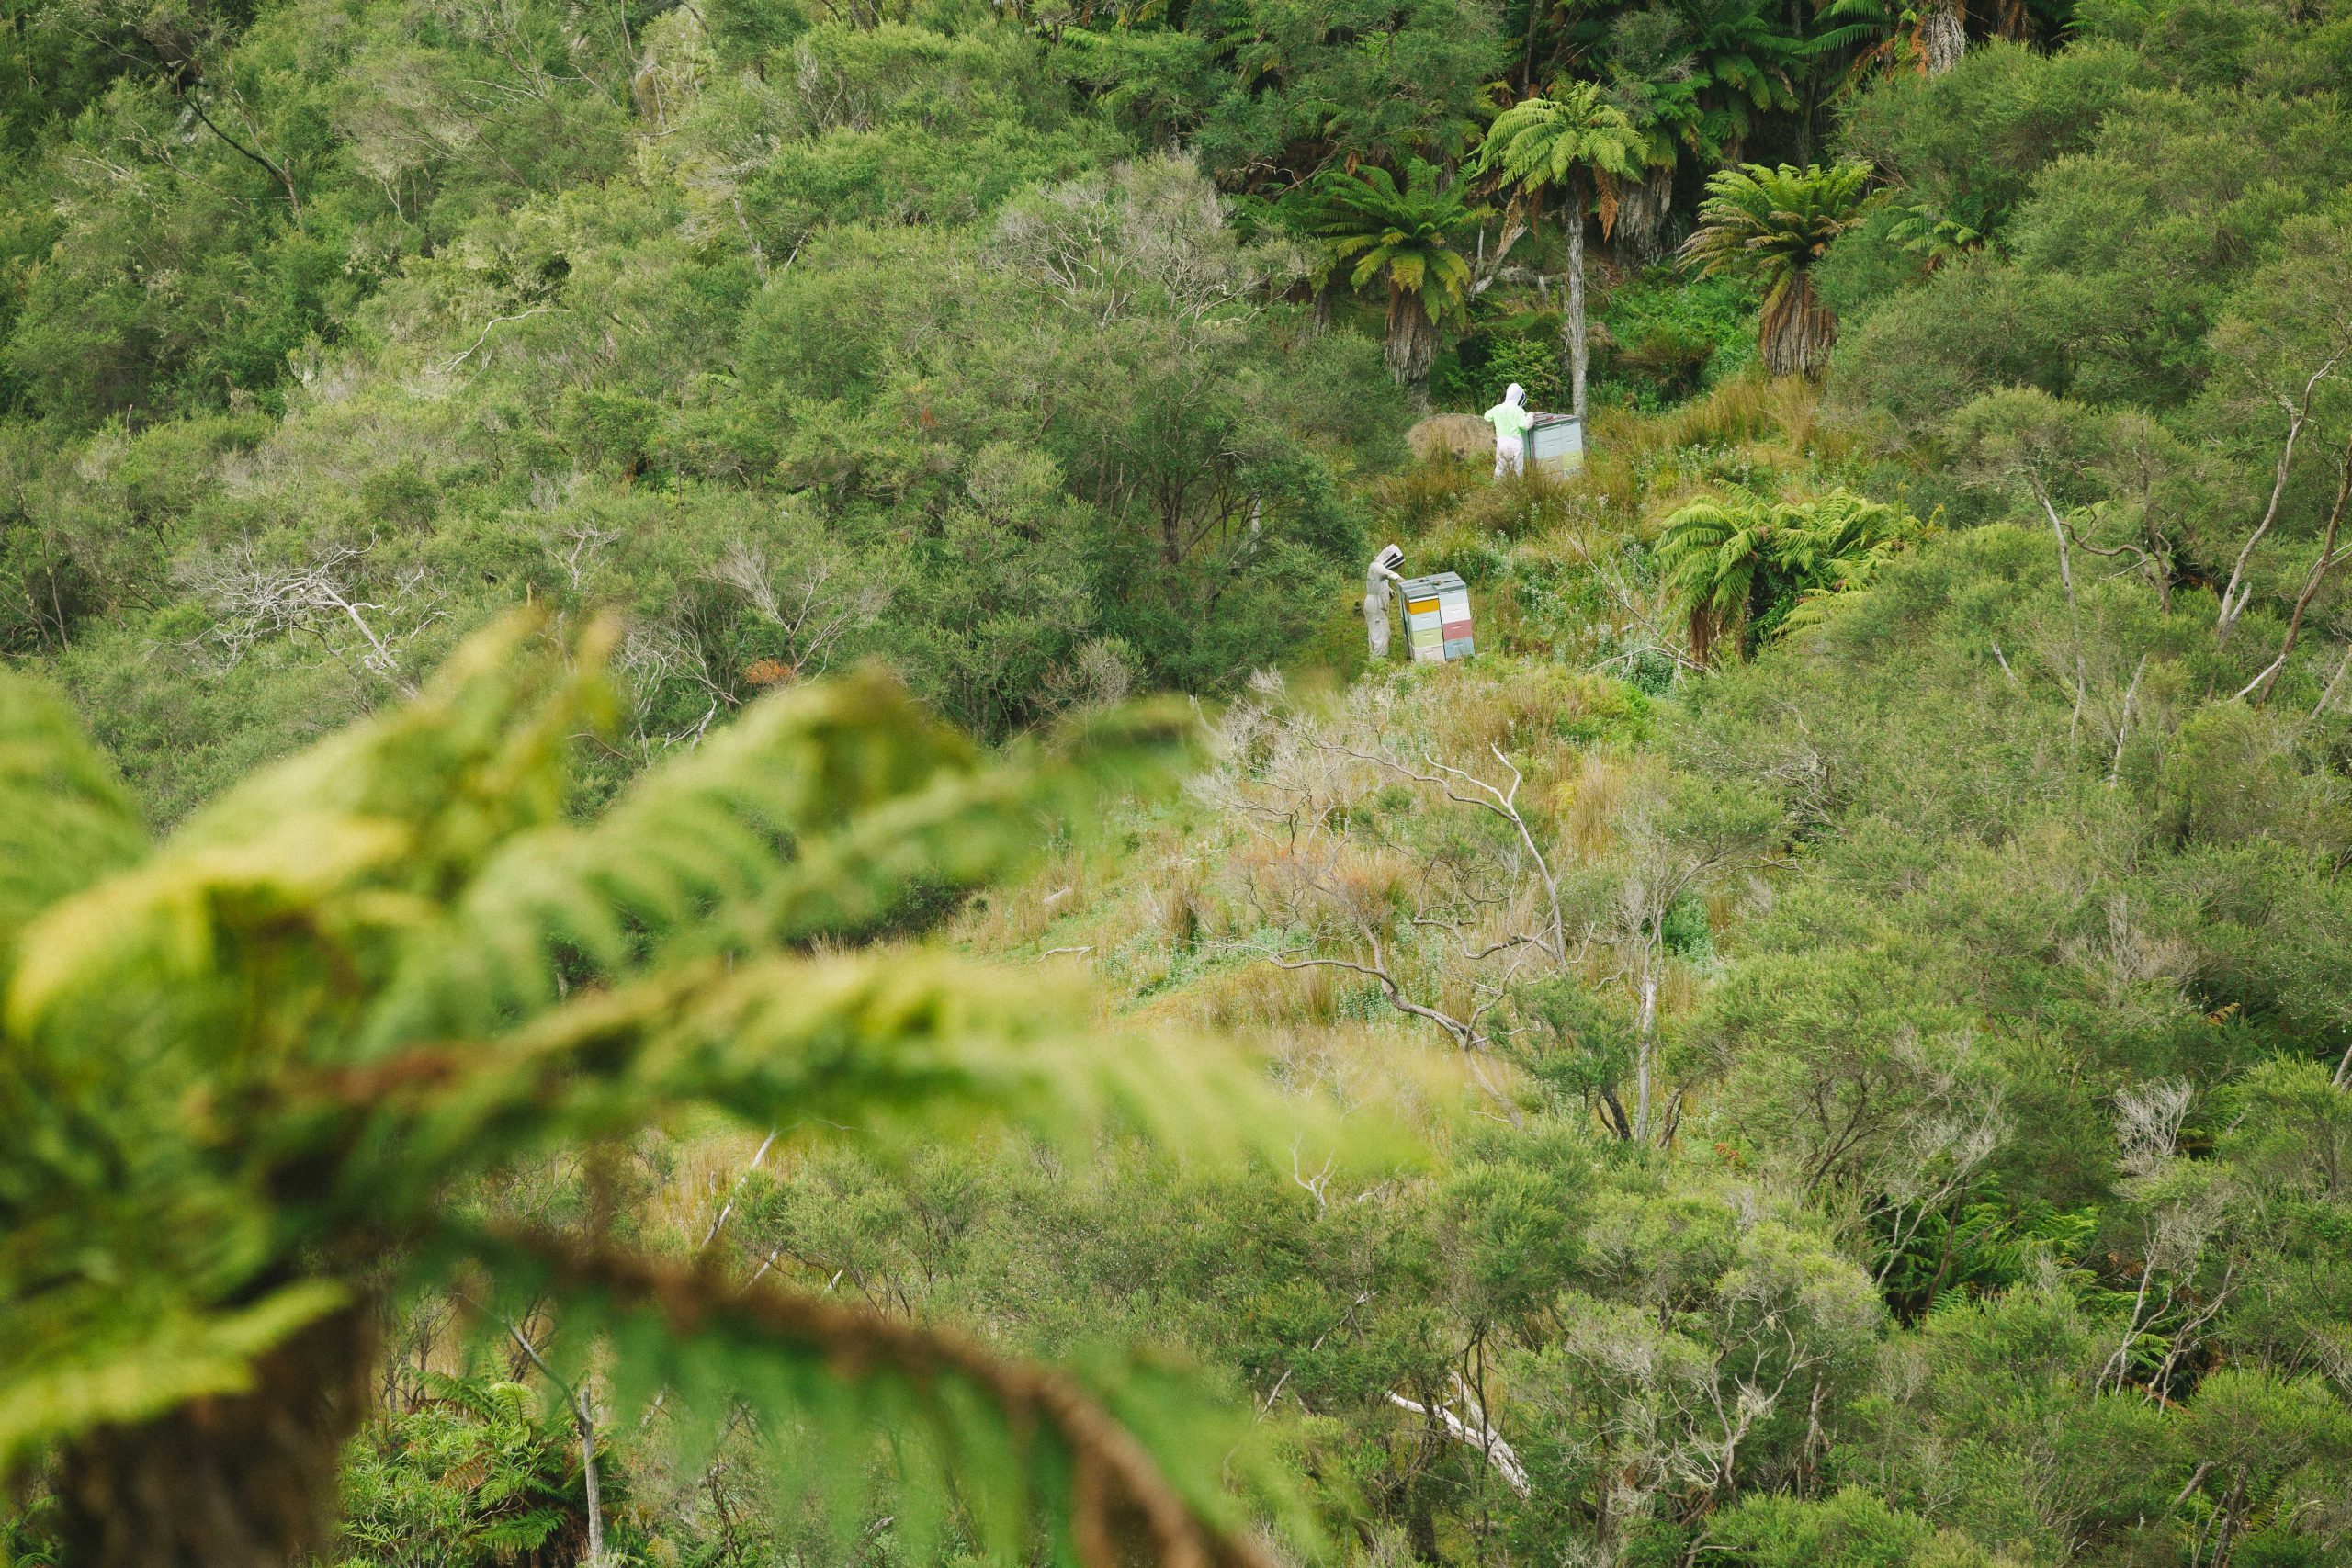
2238, 593
1474, 1431
2327, 561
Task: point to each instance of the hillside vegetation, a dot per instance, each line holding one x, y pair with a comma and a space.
738, 893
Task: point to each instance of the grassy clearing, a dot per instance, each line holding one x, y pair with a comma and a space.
1578, 671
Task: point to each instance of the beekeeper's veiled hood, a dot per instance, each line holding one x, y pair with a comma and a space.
1516, 397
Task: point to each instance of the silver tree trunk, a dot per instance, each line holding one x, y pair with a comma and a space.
1573, 329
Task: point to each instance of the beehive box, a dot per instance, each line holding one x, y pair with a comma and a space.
1437, 617
1555, 444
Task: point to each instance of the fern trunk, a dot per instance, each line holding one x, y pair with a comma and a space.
1411, 346
1943, 38
1703, 636
244, 1481
1797, 330
1643, 208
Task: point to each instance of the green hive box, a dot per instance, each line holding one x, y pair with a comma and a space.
1437, 617
1554, 443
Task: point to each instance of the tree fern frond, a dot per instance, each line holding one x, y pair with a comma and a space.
239, 1075
1766, 223
328, 861
517, 1533
150, 939
966, 831
1541, 141
65, 819
881, 1046
1399, 234
480, 754
80, 1359
485, 1399
1712, 549
813, 816
675, 868
1846, 36
1131, 1470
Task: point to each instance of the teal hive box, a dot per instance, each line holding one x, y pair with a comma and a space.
1554, 443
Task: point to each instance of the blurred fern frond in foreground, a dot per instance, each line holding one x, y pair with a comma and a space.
242, 1071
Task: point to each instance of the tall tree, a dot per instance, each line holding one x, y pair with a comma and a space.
241, 1072
1772, 225
1559, 140
1407, 239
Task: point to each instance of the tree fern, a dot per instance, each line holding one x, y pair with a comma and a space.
1407, 238
1773, 567
1772, 225
249, 1067
1561, 140
1709, 554
478, 1474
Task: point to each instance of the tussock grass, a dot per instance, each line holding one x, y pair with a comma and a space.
1733, 413
1012, 917
1589, 803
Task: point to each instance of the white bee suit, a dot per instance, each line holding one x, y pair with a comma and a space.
1511, 419
1377, 578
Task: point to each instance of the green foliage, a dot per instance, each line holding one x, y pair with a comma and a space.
1762, 569
1886, 1091
1671, 337
1967, 145
478, 1474
1986, 1246
1483, 362
543, 289
2092, 171
1266, 90
1696, 77
1851, 1530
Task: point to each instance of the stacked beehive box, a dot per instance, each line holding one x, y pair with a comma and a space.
1556, 444
1437, 617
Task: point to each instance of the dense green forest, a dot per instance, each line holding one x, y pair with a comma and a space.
699, 863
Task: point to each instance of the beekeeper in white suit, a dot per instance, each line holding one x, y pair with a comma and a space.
1511, 419
1377, 578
